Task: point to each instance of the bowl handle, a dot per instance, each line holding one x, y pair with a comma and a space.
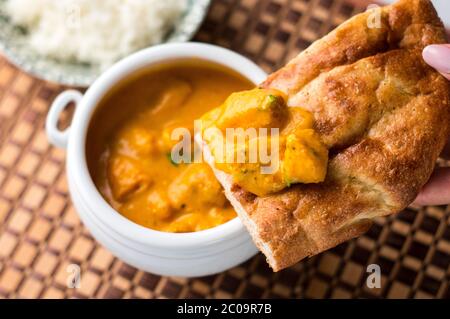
57, 137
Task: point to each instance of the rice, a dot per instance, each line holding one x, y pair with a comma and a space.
94, 31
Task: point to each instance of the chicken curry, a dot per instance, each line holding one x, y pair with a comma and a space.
129, 145
302, 157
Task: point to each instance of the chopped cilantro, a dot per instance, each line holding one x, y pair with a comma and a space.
169, 157
272, 98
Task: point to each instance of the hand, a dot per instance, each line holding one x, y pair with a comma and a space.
437, 190
438, 56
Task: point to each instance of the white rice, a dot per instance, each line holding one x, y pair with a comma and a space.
94, 31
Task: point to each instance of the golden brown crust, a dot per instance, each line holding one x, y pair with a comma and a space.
383, 113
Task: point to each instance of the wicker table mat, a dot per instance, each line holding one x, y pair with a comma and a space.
40, 233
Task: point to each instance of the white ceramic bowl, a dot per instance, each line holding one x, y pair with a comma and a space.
186, 254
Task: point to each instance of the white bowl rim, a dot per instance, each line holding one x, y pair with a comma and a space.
76, 159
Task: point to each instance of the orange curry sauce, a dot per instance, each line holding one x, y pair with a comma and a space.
129, 144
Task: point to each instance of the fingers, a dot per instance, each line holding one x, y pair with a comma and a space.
438, 56
437, 190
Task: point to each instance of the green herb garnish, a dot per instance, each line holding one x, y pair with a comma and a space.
169, 157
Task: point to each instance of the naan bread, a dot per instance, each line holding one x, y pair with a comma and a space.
383, 113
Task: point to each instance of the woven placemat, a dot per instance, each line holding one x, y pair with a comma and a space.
40, 233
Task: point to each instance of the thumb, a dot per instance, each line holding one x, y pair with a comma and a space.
438, 56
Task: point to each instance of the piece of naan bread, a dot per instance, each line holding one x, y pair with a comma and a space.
383, 113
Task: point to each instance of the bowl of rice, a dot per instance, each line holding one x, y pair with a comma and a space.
72, 42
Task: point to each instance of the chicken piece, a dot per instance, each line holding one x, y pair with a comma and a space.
218, 216
187, 223
302, 158
195, 221
297, 150
299, 119
256, 108
159, 205
134, 140
125, 177
195, 187
175, 94
305, 158
150, 207
250, 174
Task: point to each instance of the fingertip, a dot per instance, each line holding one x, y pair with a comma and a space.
438, 56
420, 201
446, 75
437, 189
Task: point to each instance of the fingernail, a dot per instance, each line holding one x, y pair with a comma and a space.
438, 56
